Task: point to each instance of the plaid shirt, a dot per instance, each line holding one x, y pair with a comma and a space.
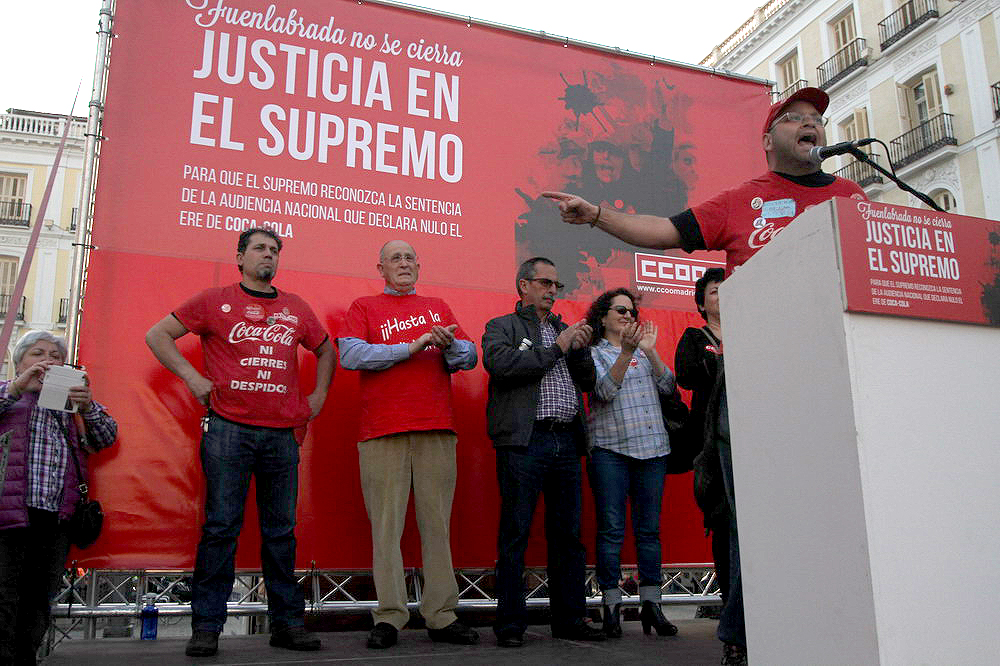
627, 419
48, 454
557, 393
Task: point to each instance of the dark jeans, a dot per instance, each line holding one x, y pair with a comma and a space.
230, 453
732, 627
32, 561
549, 464
613, 478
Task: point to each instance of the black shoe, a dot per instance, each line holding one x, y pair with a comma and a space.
580, 631
510, 639
734, 655
651, 616
295, 638
383, 636
202, 644
613, 621
456, 633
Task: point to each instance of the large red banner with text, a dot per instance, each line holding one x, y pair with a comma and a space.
919, 263
342, 125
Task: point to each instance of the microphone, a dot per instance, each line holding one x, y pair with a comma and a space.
820, 153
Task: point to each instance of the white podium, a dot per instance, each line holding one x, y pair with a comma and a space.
866, 451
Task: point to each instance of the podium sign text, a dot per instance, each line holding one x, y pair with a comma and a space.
919, 263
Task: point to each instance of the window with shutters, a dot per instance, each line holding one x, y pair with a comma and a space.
843, 31
855, 126
923, 98
8, 276
944, 199
789, 68
13, 208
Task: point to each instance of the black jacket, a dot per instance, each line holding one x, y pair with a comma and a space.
516, 374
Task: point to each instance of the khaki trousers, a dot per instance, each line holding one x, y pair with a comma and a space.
389, 467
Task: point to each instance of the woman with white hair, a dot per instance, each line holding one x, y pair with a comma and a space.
39, 490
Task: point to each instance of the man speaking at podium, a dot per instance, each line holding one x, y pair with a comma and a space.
740, 221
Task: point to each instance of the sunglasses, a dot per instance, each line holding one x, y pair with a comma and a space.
621, 309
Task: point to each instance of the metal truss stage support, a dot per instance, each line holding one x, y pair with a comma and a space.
95, 596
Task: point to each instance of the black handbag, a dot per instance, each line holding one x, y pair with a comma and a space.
684, 444
84, 525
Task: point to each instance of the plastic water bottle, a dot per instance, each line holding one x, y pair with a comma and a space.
150, 618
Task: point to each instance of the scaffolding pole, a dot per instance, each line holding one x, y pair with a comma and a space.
82, 246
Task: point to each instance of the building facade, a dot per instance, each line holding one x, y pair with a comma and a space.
923, 76
28, 144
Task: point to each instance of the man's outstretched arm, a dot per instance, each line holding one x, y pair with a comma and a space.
642, 230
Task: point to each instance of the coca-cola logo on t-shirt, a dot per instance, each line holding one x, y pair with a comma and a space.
254, 312
760, 237
279, 333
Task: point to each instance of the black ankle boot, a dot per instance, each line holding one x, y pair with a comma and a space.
613, 621
652, 616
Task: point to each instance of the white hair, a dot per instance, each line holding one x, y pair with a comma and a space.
28, 340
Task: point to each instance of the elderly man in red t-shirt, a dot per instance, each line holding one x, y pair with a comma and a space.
250, 333
406, 347
740, 221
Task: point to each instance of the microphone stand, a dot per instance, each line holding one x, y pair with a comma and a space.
862, 156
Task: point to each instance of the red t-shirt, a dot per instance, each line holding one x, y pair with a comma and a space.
250, 345
414, 394
742, 220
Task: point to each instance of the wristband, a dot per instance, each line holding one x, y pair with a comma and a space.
597, 218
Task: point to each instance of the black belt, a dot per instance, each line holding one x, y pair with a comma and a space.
553, 425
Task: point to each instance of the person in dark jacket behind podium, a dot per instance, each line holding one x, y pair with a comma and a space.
696, 362
38, 490
538, 367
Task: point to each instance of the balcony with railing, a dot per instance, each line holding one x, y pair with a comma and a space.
784, 94
862, 173
41, 124
995, 89
5, 306
63, 310
922, 140
848, 59
15, 213
760, 15
905, 20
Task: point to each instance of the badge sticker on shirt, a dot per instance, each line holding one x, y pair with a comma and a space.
225, 307
756, 203
634, 363
254, 312
778, 208
759, 223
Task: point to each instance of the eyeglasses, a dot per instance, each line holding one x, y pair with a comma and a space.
801, 118
400, 258
547, 283
621, 309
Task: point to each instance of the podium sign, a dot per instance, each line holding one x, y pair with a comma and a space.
919, 263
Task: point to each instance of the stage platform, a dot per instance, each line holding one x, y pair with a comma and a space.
695, 645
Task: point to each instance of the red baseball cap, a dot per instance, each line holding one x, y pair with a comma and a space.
814, 96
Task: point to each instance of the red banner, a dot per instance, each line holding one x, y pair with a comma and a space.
343, 125
919, 263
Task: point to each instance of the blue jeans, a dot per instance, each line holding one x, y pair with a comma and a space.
230, 453
613, 478
732, 625
550, 464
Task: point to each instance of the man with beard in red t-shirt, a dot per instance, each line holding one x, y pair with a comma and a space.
740, 221
250, 333
407, 346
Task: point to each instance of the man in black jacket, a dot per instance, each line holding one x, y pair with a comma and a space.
538, 367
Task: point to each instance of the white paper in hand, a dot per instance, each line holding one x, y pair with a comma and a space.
59, 379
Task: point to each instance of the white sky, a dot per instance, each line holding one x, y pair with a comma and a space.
48, 46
